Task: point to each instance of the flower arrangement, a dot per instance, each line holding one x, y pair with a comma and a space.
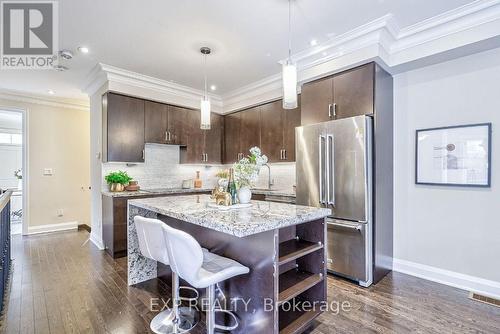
18, 174
246, 171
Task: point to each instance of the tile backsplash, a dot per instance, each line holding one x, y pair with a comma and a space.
161, 169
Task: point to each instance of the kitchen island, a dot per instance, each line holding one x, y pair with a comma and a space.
282, 244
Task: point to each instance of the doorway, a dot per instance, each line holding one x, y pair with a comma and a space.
12, 171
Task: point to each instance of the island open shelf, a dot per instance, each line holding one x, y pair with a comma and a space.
302, 271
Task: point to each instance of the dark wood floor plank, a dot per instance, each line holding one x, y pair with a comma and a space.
59, 286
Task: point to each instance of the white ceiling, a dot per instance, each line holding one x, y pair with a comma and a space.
161, 38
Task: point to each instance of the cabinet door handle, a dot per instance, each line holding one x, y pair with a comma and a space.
330, 110
206, 157
284, 154
281, 154
334, 110
166, 135
142, 154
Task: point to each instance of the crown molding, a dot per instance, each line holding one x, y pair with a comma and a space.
18, 96
167, 91
382, 40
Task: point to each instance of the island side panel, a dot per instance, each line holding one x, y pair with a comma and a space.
259, 252
140, 268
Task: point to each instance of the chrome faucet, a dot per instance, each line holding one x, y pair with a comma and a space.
269, 180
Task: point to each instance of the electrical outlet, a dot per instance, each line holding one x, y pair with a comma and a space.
47, 172
60, 212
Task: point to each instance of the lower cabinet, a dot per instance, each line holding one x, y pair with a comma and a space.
114, 222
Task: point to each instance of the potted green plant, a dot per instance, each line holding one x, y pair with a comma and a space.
117, 180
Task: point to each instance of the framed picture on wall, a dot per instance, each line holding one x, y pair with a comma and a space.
454, 156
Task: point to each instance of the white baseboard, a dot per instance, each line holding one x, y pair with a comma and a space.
462, 281
97, 241
52, 228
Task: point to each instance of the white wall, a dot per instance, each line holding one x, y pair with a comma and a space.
447, 228
58, 138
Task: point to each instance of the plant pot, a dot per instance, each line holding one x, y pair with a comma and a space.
19, 184
244, 195
116, 187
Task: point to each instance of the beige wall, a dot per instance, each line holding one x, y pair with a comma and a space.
58, 138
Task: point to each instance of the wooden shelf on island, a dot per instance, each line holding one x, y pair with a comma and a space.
297, 322
295, 248
293, 282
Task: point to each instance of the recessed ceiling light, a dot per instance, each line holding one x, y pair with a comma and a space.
213, 87
83, 49
313, 42
51, 92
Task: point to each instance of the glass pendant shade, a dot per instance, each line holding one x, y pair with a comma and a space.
205, 113
289, 73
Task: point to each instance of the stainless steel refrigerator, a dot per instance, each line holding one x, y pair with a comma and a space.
334, 170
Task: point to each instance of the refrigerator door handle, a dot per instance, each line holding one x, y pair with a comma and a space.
330, 167
322, 160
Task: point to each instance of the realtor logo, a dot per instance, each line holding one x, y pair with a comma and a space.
29, 33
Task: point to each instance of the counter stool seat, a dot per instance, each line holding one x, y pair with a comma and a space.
201, 269
153, 245
215, 269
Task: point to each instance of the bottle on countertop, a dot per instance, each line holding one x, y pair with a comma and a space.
231, 186
197, 181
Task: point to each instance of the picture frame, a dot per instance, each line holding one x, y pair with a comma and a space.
457, 156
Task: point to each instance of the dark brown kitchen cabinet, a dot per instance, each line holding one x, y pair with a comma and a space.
249, 130
179, 125
203, 146
278, 131
213, 139
291, 120
342, 95
231, 137
272, 130
353, 92
195, 137
156, 122
317, 99
123, 128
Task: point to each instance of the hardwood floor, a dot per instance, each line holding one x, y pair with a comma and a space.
60, 286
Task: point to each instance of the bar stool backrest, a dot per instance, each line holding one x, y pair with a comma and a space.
151, 240
185, 254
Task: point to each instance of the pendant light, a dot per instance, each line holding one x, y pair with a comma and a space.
289, 70
205, 101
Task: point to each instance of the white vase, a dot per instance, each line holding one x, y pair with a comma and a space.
19, 184
244, 195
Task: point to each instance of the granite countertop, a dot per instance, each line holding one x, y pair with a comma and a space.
149, 192
169, 191
260, 217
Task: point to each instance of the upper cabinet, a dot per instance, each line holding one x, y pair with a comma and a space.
249, 130
123, 128
166, 124
278, 131
203, 146
347, 94
232, 124
156, 122
214, 139
268, 126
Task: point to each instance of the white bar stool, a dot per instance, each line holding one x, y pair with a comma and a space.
152, 244
201, 269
